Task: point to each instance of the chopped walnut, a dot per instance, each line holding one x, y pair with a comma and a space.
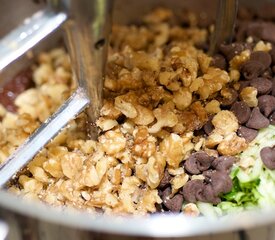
214, 139
225, 122
39, 174
191, 209
162, 31
182, 98
127, 108
165, 118
213, 80
53, 167
187, 69
232, 145
112, 142
42, 73
152, 172
144, 116
144, 144
106, 124
71, 164
238, 60
30, 184
141, 60
33, 103
169, 79
179, 181
213, 107
249, 96
172, 149
196, 84
27, 123
234, 75
109, 110
199, 144
204, 62
262, 46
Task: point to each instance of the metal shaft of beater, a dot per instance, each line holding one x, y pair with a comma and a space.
87, 36
87, 33
226, 15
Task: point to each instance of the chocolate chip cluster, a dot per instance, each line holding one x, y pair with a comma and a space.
252, 100
214, 182
257, 74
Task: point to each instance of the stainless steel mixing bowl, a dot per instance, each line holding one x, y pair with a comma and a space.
31, 220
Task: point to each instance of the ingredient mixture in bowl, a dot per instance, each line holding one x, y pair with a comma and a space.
180, 131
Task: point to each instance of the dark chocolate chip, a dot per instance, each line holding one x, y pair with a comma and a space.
223, 163
266, 104
199, 133
268, 157
160, 193
272, 118
263, 85
243, 84
247, 133
230, 98
262, 57
198, 162
159, 209
165, 181
261, 31
241, 111
174, 203
220, 182
267, 73
231, 50
252, 69
257, 120
208, 127
192, 190
219, 61
209, 195
11, 89
217, 183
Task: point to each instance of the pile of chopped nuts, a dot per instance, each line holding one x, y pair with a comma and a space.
172, 124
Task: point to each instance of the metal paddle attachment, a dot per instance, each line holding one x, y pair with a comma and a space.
87, 24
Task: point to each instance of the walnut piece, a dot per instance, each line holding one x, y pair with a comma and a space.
232, 145
112, 142
249, 96
225, 122
172, 149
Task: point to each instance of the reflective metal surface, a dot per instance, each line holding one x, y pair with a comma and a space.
23, 38
87, 34
225, 23
47, 131
157, 225
66, 222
